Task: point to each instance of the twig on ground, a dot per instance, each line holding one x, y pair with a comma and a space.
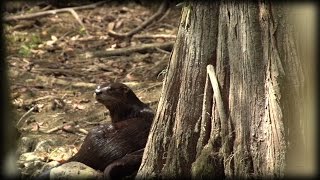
65, 72
163, 51
163, 7
60, 127
149, 88
25, 115
24, 25
124, 51
165, 15
83, 131
52, 130
43, 98
46, 8
48, 80
75, 15
50, 12
71, 129
151, 36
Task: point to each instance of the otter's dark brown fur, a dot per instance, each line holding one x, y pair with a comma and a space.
128, 131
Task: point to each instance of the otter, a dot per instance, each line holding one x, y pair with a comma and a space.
127, 133
119, 144
125, 167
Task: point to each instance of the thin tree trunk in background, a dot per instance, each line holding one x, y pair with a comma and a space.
261, 80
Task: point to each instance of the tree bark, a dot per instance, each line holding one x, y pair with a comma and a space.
251, 46
173, 134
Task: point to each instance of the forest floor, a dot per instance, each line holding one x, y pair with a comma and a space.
53, 71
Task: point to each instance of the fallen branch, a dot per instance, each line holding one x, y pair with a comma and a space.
165, 15
154, 36
42, 98
60, 127
50, 12
74, 129
163, 7
75, 15
125, 51
82, 131
48, 80
52, 130
163, 51
24, 25
65, 72
46, 8
149, 88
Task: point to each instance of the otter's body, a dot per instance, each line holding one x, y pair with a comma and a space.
107, 143
128, 131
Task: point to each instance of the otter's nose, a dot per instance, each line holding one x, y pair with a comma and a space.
98, 91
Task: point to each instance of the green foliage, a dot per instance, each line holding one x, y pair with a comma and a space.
82, 31
24, 50
30, 43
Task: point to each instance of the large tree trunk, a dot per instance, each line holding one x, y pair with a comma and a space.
180, 105
251, 46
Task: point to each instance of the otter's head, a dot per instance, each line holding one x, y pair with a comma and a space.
121, 102
115, 95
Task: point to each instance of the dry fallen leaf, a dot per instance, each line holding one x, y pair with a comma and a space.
75, 38
79, 106
119, 24
54, 38
60, 154
69, 128
111, 26
84, 101
35, 127
131, 77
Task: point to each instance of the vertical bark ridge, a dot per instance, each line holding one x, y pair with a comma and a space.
271, 129
184, 77
246, 85
193, 75
158, 139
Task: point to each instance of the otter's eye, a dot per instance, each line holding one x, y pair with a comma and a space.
109, 89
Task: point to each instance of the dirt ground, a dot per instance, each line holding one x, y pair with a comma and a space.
53, 76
